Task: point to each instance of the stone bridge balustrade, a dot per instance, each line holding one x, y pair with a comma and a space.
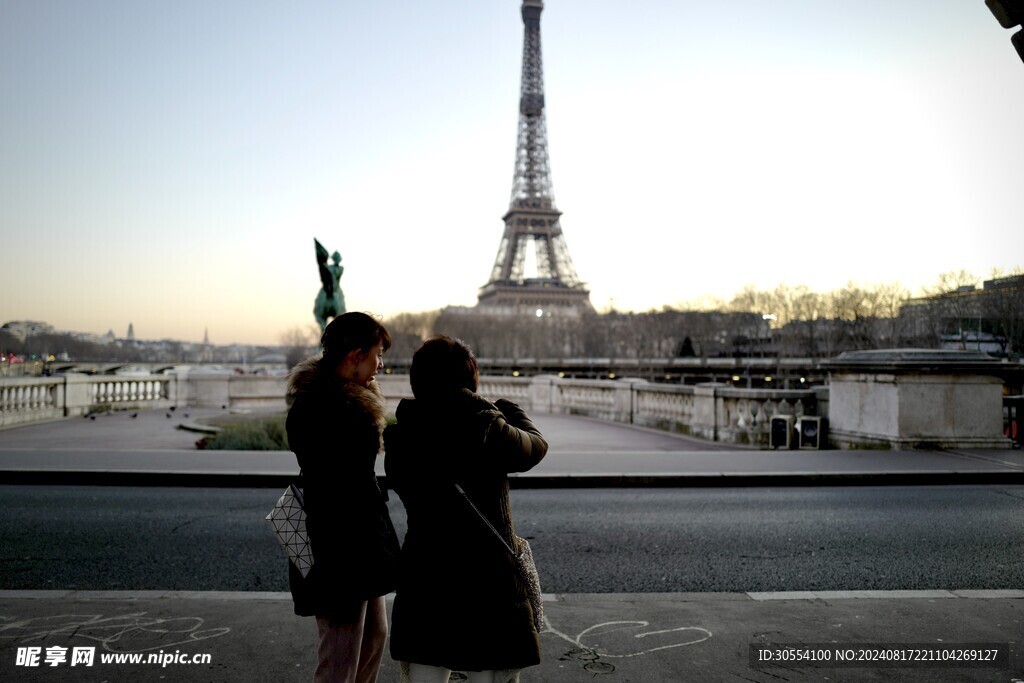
900, 398
592, 398
516, 389
117, 391
30, 399
655, 402
664, 406
25, 400
744, 415
522, 390
717, 412
714, 411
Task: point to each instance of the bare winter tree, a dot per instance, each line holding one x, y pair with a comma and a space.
808, 308
890, 298
299, 343
951, 307
785, 321
408, 331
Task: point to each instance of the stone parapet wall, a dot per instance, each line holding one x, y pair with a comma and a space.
715, 412
26, 400
917, 398
30, 399
897, 399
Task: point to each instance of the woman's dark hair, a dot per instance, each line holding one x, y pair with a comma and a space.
442, 365
352, 331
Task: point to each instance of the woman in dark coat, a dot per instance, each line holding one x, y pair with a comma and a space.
334, 427
460, 604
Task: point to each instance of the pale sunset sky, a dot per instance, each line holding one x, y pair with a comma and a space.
168, 164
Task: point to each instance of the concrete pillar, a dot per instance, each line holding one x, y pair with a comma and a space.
182, 394
707, 415
625, 398
77, 394
173, 387
821, 401
916, 398
208, 389
541, 390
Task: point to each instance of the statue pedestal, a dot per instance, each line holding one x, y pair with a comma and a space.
915, 398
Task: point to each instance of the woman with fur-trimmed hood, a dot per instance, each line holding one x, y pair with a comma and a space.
334, 426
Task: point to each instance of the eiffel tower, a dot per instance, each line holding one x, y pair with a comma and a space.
533, 272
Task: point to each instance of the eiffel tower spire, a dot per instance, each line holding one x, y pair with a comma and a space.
533, 270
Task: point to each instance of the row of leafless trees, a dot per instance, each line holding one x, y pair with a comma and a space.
784, 322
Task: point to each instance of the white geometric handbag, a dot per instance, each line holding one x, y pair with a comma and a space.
288, 521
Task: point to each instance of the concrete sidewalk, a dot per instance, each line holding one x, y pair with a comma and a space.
646, 637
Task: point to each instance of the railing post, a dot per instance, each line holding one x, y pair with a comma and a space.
541, 388
77, 394
624, 399
821, 402
557, 398
182, 395
60, 397
208, 389
706, 418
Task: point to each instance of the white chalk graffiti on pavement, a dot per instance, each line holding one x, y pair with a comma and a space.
590, 646
133, 632
696, 635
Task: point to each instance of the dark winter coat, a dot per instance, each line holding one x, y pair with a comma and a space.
334, 428
460, 604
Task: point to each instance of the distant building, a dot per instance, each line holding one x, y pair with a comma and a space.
206, 351
989, 319
90, 337
23, 329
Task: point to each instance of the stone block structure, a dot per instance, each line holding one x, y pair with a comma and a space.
916, 398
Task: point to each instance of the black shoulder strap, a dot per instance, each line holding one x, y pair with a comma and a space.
486, 521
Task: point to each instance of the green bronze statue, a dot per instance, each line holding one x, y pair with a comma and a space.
330, 302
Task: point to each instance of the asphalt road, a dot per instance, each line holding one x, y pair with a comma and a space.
585, 541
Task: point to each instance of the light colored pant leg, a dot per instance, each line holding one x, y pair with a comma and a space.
338, 651
352, 652
423, 673
375, 639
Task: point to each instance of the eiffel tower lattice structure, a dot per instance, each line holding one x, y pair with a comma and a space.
533, 272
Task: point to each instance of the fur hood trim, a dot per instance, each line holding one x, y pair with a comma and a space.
304, 377
310, 378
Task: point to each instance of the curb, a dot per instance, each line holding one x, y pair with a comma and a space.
247, 596
761, 479
69, 477
198, 428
